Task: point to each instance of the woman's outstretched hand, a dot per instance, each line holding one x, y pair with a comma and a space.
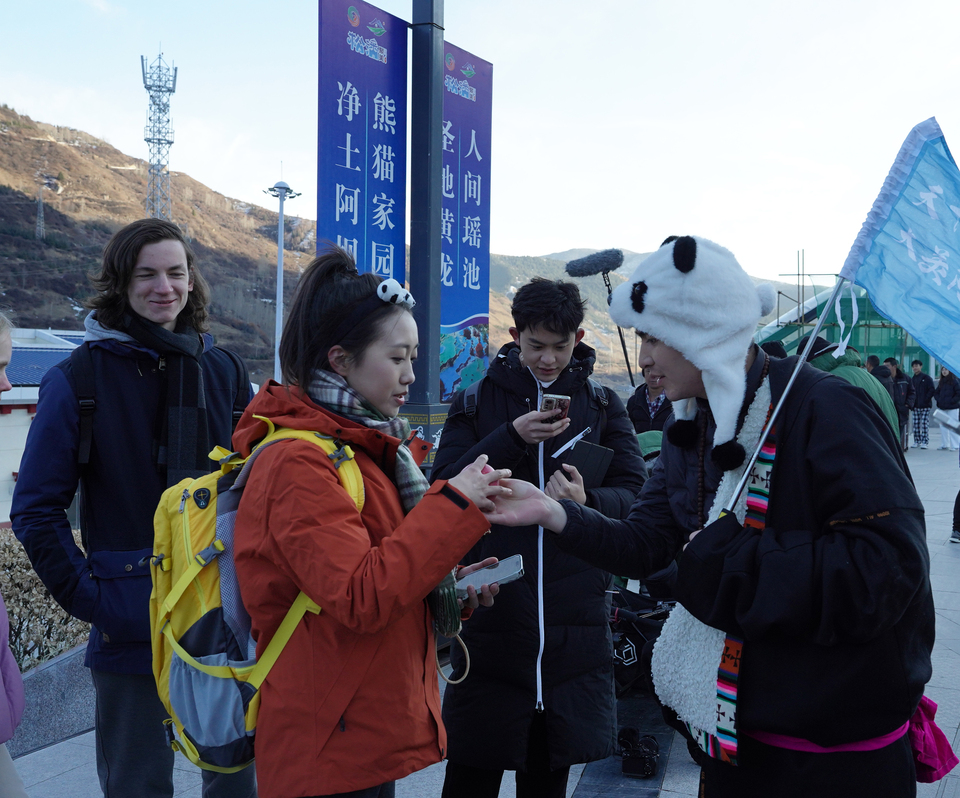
526, 505
480, 483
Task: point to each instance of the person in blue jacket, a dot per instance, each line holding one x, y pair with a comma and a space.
164, 397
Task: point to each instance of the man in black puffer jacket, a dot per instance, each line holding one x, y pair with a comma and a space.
540, 695
923, 389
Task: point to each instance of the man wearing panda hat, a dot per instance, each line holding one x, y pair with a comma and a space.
801, 644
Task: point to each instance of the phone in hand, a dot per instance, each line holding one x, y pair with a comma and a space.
501, 573
555, 401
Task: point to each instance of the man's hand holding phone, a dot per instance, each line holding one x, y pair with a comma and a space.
547, 422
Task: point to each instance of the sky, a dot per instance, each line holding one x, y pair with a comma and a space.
765, 126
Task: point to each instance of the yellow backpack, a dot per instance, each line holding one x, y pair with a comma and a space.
204, 657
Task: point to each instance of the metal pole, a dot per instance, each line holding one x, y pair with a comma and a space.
623, 343
776, 410
283, 191
278, 329
426, 171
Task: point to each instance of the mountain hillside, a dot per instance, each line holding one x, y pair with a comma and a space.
90, 190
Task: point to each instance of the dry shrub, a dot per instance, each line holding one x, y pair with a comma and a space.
39, 628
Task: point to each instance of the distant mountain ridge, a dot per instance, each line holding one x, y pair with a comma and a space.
573, 254
90, 190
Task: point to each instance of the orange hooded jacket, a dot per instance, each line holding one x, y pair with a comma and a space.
353, 700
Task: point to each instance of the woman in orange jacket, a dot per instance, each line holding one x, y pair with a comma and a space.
352, 704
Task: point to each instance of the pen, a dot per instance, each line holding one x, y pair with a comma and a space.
571, 443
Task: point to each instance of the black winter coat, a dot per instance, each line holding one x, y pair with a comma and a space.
560, 597
882, 373
903, 394
832, 597
923, 390
639, 412
947, 393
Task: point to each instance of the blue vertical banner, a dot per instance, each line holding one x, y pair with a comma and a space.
362, 135
465, 253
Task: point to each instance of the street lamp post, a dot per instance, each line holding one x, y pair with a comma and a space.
283, 191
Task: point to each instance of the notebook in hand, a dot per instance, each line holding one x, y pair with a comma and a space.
591, 460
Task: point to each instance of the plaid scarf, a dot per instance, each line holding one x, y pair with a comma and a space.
184, 443
331, 392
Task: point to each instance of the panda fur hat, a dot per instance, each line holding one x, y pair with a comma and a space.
694, 296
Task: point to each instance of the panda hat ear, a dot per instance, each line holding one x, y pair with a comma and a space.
693, 295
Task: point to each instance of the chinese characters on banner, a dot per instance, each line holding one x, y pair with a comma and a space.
465, 225
362, 141
906, 254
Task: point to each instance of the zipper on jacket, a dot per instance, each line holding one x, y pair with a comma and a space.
540, 569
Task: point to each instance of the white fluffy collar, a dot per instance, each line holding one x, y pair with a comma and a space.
687, 653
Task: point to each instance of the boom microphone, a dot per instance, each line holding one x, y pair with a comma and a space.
607, 260
603, 262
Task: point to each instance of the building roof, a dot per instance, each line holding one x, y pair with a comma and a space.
29, 364
35, 352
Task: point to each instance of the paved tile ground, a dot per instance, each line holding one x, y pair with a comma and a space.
68, 769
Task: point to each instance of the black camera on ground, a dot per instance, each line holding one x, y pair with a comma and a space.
640, 754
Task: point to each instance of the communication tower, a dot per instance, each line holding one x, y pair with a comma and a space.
160, 81
41, 229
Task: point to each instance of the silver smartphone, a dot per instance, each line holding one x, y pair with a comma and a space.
501, 573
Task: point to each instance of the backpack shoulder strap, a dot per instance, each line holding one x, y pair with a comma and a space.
598, 393
243, 385
82, 363
352, 480
342, 455
301, 606
470, 396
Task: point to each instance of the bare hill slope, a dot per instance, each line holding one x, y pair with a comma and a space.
90, 190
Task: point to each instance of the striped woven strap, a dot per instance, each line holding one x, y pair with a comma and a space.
723, 745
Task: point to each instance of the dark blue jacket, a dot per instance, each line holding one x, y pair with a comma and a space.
120, 489
559, 597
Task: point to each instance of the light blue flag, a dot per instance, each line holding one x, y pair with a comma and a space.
907, 255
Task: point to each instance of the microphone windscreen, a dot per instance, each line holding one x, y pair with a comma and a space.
607, 260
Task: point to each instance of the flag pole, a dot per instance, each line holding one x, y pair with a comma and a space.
783, 397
